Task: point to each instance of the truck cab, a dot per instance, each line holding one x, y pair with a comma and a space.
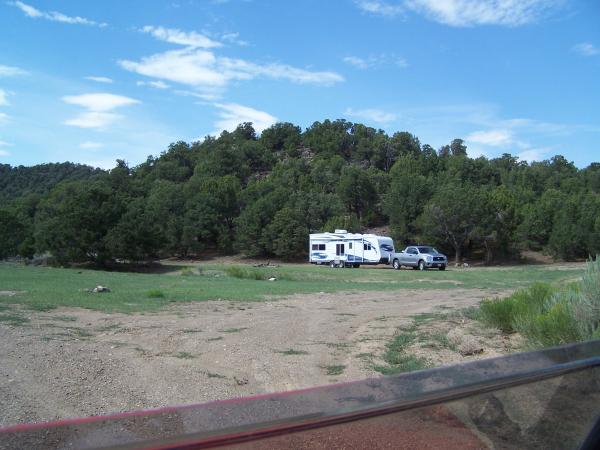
419, 257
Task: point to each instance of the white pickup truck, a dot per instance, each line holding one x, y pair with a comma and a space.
419, 257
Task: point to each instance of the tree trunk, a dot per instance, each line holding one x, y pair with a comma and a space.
457, 255
488, 253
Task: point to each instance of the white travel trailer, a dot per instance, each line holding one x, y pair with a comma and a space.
343, 249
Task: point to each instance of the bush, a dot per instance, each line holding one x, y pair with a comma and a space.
248, 273
256, 273
155, 293
546, 316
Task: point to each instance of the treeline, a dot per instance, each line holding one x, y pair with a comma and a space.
264, 195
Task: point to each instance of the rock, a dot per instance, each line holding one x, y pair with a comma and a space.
272, 279
469, 346
100, 289
241, 381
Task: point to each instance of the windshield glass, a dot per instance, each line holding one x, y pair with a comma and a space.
427, 250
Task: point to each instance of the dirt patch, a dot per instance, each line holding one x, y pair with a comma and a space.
76, 362
10, 293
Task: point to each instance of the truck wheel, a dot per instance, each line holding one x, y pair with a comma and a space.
421, 265
396, 264
442, 267
355, 266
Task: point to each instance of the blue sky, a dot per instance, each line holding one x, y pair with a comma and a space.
91, 82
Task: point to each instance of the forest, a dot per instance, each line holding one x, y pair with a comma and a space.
261, 195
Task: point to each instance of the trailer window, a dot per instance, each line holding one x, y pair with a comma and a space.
318, 247
350, 245
367, 246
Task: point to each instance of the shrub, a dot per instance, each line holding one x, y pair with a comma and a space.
502, 313
155, 293
546, 316
249, 273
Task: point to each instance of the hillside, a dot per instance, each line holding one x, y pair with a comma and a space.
262, 196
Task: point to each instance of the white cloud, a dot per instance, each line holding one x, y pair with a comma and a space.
380, 8
533, 154
93, 119
98, 106
175, 36
203, 69
4, 153
375, 61
9, 71
371, 115
100, 79
4, 118
99, 101
357, 62
5, 144
234, 38
495, 138
463, 13
54, 16
232, 114
91, 145
586, 49
3, 99
155, 84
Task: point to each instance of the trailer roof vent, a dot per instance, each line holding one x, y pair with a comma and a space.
341, 231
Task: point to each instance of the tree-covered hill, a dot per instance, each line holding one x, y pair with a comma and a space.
263, 195
20, 181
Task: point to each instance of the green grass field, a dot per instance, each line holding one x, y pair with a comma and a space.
44, 288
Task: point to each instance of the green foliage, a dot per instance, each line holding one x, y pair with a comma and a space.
334, 369
264, 195
398, 361
549, 316
155, 293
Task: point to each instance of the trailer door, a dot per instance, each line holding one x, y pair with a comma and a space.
340, 249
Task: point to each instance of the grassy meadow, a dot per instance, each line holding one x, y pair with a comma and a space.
45, 288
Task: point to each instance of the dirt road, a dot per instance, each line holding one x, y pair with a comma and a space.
76, 362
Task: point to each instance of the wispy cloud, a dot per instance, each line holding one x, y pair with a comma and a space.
375, 61
203, 69
3, 98
465, 13
232, 114
4, 152
586, 49
174, 36
495, 138
234, 38
4, 118
9, 71
155, 84
91, 145
371, 115
534, 154
98, 108
100, 79
380, 8
54, 16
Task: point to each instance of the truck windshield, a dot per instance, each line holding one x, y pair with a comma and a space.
427, 250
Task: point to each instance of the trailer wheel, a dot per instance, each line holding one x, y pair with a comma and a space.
396, 264
332, 264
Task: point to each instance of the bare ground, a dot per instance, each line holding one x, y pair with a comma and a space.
77, 362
